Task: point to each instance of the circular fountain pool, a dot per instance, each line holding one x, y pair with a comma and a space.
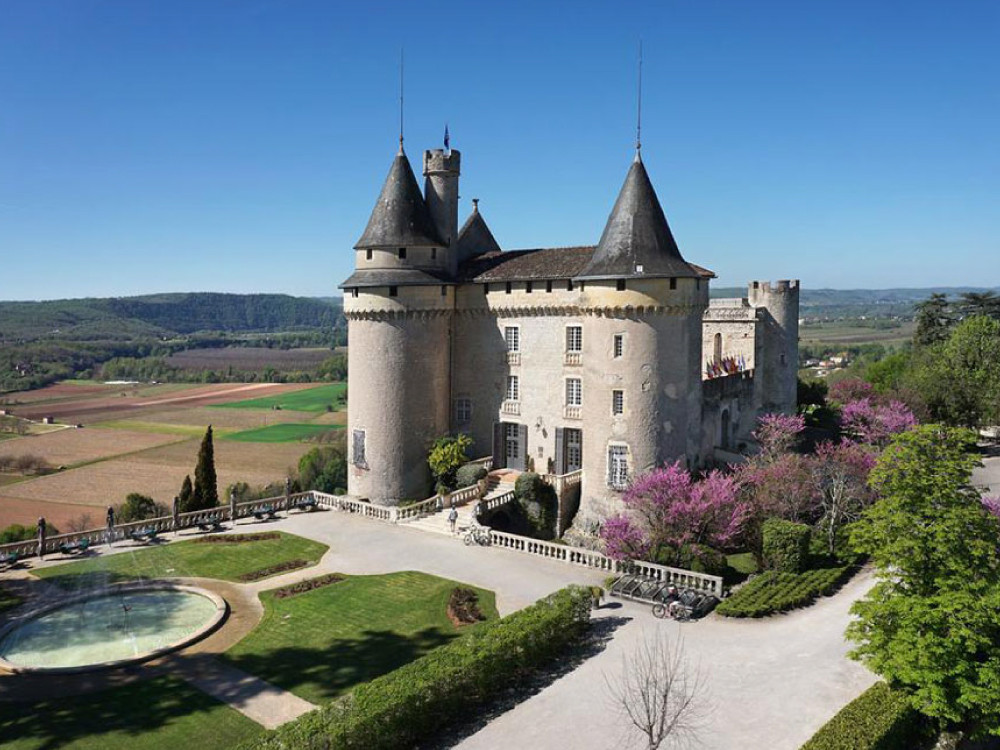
118, 625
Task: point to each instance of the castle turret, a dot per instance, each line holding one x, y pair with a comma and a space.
398, 304
777, 355
441, 169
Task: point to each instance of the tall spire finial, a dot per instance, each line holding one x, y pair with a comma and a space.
400, 100
638, 114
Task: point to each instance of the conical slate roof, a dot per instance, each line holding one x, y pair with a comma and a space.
400, 217
475, 238
637, 241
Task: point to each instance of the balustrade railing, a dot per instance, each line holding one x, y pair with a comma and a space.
511, 407
598, 561
350, 505
417, 510
497, 502
562, 482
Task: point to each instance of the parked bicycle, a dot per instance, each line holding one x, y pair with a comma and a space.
478, 535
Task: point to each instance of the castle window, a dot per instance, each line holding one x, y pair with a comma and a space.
369, 254
574, 338
617, 402
618, 347
618, 467
527, 287
697, 283
781, 358
354, 292
402, 253
444, 290
434, 253
513, 389
673, 282
358, 449
394, 291
620, 285
574, 392
548, 285
512, 337
507, 288
463, 410
486, 288
569, 285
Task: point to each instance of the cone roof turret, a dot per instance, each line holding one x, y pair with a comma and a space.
400, 217
637, 241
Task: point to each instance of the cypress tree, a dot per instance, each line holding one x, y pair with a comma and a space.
206, 490
186, 498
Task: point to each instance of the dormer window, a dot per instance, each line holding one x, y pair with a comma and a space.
402, 253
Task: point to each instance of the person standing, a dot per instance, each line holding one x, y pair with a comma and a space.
41, 537
111, 525
452, 518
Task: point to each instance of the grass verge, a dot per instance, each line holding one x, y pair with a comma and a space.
310, 399
321, 643
185, 559
159, 713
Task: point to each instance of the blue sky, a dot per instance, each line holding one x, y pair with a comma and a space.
239, 146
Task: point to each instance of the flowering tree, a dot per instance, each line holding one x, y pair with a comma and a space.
668, 512
850, 389
992, 505
840, 476
873, 423
777, 433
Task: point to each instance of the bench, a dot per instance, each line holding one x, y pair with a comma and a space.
70, 548
9, 559
144, 536
305, 504
265, 513
212, 523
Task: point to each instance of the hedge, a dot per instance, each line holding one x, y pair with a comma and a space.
775, 591
786, 545
413, 703
878, 719
539, 503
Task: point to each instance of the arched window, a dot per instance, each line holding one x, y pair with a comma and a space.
717, 353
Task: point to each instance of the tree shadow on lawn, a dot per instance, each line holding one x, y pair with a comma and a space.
601, 632
326, 673
134, 709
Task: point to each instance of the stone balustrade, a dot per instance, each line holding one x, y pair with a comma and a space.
499, 501
350, 505
417, 510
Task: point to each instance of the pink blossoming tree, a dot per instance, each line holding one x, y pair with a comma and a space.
840, 476
873, 423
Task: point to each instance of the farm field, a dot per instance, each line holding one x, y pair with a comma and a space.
72, 447
254, 358
837, 333
147, 441
314, 399
282, 433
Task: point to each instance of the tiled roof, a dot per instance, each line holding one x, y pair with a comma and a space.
400, 217
393, 277
542, 263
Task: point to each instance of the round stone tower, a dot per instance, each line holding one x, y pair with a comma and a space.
776, 379
441, 170
399, 304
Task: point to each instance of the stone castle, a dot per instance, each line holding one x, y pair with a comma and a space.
599, 362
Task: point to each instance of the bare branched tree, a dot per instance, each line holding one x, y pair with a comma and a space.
659, 692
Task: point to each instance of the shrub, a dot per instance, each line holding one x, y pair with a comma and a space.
468, 475
463, 607
786, 545
878, 719
284, 567
308, 585
538, 501
446, 456
406, 707
777, 591
138, 507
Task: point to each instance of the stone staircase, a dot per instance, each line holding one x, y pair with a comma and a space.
437, 523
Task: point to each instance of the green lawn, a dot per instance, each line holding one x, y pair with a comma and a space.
164, 712
282, 433
321, 643
310, 399
188, 558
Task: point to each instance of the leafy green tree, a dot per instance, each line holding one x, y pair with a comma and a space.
931, 624
980, 303
206, 488
960, 378
186, 496
934, 318
325, 469
138, 507
446, 455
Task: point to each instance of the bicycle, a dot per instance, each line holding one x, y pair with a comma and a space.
478, 535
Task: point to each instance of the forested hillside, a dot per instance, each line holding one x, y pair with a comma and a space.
41, 342
163, 315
